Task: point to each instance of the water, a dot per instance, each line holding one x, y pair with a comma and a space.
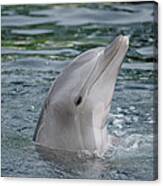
38, 42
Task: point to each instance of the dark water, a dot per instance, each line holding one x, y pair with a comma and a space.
38, 41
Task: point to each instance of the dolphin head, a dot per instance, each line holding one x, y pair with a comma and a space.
75, 110
97, 85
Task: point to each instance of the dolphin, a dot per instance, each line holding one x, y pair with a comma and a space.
73, 117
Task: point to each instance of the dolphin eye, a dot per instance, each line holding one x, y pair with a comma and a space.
78, 100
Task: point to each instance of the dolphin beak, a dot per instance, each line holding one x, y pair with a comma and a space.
120, 44
108, 60
111, 58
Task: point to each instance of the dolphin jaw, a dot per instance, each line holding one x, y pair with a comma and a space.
104, 59
117, 50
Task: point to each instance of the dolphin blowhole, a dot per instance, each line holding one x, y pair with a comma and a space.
73, 117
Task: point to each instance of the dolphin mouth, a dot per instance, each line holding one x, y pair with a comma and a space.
118, 44
111, 56
117, 49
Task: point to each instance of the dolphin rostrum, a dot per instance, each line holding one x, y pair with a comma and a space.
73, 117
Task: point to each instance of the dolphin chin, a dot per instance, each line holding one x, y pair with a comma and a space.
73, 117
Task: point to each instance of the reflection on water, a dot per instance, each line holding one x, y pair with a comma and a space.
37, 44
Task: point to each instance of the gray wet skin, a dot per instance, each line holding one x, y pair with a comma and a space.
74, 113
